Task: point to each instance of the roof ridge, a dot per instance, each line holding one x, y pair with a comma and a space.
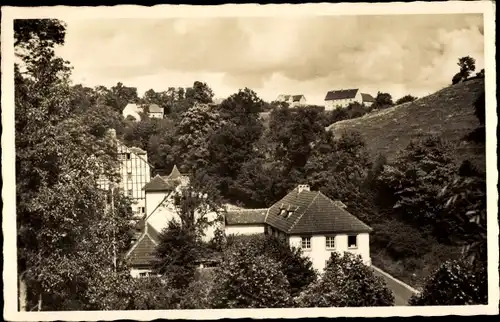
303, 213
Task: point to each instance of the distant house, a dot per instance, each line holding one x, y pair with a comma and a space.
132, 111
309, 220
292, 100
344, 97
367, 99
155, 111
141, 255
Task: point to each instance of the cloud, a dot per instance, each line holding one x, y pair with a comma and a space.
395, 53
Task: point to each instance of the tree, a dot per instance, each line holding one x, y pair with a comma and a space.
346, 282
245, 281
295, 266
200, 93
64, 231
383, 100
198, 123
454, 283
406, 99
416, 177
467, 65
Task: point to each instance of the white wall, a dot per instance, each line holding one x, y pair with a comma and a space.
135, 272
319, 254
244, 229
333, 104
159, 216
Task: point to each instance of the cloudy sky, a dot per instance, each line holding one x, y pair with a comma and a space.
399, 54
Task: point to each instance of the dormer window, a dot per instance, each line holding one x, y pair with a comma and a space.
283, 212
288, 213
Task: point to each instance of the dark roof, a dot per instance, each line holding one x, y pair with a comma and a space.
142, 252
312, 212
367, 97
158, 184
246, 216
341, 94
154, 108
162, 183
297, 98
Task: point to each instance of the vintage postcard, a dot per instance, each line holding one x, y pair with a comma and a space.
249, 161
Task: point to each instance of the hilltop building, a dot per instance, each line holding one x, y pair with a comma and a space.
132, 111
344, 97
309, 220
135, 172
292, 100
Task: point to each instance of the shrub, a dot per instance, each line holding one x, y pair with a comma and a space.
454, 283
296, 267
197, 294
346, 282
247, 281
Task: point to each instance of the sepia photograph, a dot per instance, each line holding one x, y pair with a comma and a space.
296, 157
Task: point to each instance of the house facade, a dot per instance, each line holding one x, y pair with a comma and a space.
342, 98
155, 111
292, 100
309, 220
135, 172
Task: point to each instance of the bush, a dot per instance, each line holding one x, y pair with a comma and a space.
246, 281
346, 282
454, 283
197, 294
297, 268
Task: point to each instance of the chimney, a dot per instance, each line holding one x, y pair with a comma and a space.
303, 187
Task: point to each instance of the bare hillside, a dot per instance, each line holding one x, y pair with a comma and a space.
448, 112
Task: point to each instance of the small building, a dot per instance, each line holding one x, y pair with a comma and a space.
342, 98
309, 220
131, 111
367, 99
141, 255
292, 100
155, 111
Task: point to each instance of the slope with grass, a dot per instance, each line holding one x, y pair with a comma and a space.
448, 113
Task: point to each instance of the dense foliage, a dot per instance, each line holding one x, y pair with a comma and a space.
346, 282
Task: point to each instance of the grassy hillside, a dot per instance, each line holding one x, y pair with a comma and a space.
448, 112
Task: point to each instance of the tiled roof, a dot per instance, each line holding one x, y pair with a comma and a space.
312, 212
367, 97
341, 94
296, 98
245, 216
158, 184
142, 252
154, 108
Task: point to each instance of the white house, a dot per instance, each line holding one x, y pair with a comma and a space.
309, 220
160, 209
292, 100
155, 111
132, 111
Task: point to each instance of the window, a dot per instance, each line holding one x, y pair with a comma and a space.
129, 176
143, 209
282, 212
330, 242
352, 241
306, 242
129, 192
144, 274
128, 156
289, 213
